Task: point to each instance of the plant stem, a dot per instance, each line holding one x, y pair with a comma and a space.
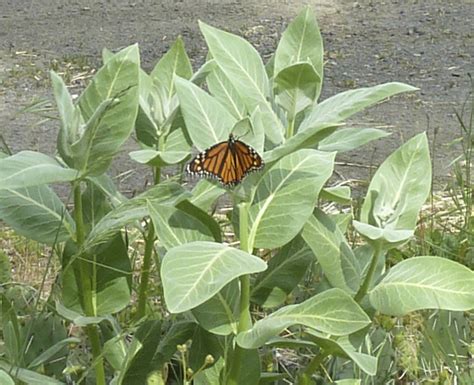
245, 321
305, 377
370, 273
290, 129
147, 257
86, 288
145, 273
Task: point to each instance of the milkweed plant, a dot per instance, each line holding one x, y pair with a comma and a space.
225, 301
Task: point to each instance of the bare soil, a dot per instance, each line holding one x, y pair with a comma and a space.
428, 44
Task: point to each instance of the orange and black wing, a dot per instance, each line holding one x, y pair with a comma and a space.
246, 160
228, 161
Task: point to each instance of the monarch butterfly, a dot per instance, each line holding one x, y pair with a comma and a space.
228, 161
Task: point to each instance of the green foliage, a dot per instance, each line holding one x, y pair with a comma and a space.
194, 272
424, 283
294, 269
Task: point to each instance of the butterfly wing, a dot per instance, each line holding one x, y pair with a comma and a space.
246, 160
228, 161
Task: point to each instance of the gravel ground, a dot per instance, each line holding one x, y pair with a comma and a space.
428, 44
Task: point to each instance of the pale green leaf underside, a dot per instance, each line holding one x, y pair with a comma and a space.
400, 186
333, 312
346, 139
345, 104
37, 213
118, 80
335, 256
194, 272
132, 210
207, 121
243, 67
285, 196
158, 158
342, 347
424, 283
301, 41
29, 168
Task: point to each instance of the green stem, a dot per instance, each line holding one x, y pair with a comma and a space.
145, 273
147, 257
305, 377
245, 321
86, 288
157, 173
290, 129
368, 278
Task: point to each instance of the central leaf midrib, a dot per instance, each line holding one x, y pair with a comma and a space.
253, 230
199, 278
413, 284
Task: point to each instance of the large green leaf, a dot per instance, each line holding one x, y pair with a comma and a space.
424, 283
302, 139
109, 189
194, 272
175, 150
110, 271
203, 344
138, 364
301, 42
223, 90
219, 315
205, 194
256, 136
296, 87
334, 254
333, 312
133, 210
77, 317
346, 139
37, 213
249, 371
50, 353
29, 168
176, 227
286, 195
346, 104
342, 347
158, 101
117, 80
399, 187
338, 194
203, 72
70, 116
150, 350
28, 376
5, 379
285, 271
243, 66
174, 62
349, 381
389, 236
207, 121
150, 112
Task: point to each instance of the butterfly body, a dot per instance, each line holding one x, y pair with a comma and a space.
228, 161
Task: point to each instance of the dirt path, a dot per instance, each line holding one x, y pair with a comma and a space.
428, 44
